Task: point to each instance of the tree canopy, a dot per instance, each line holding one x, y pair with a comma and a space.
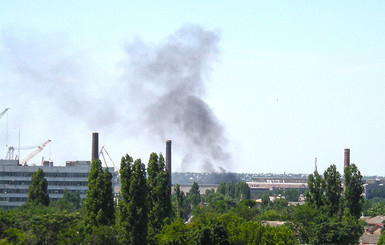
38, 189
99, 204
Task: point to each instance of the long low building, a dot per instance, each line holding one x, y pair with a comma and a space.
15, 180
271, 183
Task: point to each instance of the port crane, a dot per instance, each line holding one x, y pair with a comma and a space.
103, 149
11, 149
34, 153
2, 114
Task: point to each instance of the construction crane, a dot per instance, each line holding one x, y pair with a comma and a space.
2, 114
34, 153
10, 153
103, 149
11, 150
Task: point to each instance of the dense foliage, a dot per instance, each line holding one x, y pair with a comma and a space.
37, 190
99, 203
159, 195
330, 214
147, 213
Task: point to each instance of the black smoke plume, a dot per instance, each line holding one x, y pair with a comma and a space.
169, 80
161, 92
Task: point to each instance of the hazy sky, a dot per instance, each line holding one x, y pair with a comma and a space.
245, 86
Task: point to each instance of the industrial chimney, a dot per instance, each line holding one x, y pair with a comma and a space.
95, 146
347, 158
168, 160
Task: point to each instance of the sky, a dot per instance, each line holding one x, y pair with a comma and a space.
240, 86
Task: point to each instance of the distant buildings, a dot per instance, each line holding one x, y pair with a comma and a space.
373, 229
277, 183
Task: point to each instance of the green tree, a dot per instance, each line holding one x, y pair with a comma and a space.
333, 189
381, 241
335, 231
180, 199
70, 201
72, 197
376, 209
175, 233
292, 195
230, 189
221, 188
99, 203
108, 200
159, 195
265, 200
212, 233
353, 190
314, 193
303, 217
194, 194
37, 190
101, 235
242, 190
325, 199
133, 208
123, 213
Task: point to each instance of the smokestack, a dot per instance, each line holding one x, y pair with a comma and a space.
168, 160
95, 146
347, 158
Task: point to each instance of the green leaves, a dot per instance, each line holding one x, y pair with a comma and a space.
99, 202
194, 194
38, 189
331, 214
333, 189
133, 208
159, 195
353, 190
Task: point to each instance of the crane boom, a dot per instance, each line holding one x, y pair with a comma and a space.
34, 153
2, 114
104, 159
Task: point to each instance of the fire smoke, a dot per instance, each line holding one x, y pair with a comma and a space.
170, 79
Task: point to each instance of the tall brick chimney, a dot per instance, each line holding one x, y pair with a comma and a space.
347, 158
168, 160
95, 146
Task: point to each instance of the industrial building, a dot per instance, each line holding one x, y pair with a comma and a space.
15, 178
277, 183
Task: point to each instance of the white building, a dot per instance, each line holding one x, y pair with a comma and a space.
277, 183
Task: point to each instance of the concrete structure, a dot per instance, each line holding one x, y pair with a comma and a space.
15, 180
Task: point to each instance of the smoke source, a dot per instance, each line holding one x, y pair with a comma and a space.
169, 81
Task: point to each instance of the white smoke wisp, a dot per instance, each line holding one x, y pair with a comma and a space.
169, 81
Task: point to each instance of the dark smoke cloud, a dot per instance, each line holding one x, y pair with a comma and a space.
60, 87
222, 177
169, 80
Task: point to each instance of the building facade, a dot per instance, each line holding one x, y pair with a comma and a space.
15, 180
277, 183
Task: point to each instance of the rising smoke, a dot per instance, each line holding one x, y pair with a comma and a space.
161, 92
170, 80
